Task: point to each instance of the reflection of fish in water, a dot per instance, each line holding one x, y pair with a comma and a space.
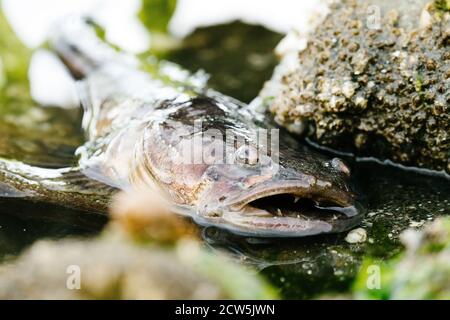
133, 122
263, 253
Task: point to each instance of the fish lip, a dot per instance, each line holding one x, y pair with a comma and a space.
264, 224
293, 231
328, 193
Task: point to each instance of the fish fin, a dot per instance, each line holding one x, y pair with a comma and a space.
67, 187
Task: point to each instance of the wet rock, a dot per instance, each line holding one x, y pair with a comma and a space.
146, 252
374, 80
244, 51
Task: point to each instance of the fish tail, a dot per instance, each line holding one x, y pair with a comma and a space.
80, 47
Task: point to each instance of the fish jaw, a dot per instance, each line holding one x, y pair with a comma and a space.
296, 205
251, 221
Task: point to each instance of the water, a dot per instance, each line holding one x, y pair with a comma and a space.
22, 223
300, 268
45, 137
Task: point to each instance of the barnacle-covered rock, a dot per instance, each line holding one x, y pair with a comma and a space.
374, 79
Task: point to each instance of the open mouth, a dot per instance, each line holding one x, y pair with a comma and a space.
293, 214
291, 205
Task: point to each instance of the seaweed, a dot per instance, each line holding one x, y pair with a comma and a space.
156, 14
14, 61
421, 272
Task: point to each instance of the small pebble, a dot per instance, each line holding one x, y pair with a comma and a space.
358, 235
416, 224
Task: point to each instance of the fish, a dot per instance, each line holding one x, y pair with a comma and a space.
214, 159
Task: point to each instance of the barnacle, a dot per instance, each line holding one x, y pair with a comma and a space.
378, 89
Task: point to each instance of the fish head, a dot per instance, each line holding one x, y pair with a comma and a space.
301, 193
242, 175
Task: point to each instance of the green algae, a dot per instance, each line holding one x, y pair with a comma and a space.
421, 272
14, 60
442, 5
156, 14
28, 132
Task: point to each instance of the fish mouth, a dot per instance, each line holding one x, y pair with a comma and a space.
294, 211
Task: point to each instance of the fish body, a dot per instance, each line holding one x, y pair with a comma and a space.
210, 156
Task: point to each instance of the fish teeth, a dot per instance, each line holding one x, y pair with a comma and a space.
279, 212
296, 199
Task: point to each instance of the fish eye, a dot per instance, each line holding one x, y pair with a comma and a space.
247, 155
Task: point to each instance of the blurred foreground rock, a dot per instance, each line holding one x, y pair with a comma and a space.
130, 261
421, 272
